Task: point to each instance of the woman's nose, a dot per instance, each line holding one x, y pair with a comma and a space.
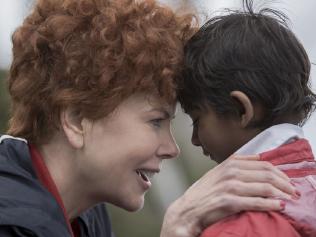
169, 148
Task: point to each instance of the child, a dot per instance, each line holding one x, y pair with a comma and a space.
246, 88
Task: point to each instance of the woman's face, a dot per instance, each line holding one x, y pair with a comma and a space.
124, 150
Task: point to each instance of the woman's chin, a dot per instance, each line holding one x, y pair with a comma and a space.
132, 205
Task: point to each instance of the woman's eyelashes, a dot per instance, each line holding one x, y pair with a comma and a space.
157, 122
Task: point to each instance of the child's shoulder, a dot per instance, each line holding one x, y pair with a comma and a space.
250, 223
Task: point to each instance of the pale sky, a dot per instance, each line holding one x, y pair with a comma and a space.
12, 13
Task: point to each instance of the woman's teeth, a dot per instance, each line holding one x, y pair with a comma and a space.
145, 175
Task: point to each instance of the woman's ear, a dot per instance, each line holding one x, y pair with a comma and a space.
71, 124
247, 107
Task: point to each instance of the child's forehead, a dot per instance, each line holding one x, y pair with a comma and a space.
196, 112
193, 113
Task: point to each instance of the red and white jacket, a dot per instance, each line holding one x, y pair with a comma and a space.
290, 152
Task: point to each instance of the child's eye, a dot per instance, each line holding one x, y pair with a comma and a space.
195, 122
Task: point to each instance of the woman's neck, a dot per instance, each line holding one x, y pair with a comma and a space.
60, 159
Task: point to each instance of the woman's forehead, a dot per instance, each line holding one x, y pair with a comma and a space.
147, 103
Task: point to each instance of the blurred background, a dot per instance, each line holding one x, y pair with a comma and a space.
178, 174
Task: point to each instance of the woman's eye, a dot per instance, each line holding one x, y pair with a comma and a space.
156, 122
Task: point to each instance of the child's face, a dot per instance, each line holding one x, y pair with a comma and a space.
219, 137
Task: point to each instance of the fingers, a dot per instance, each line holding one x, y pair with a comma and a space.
271, 184
272, 181
264, 164
226, 205
251, 203
269, 167
245, 157
243, 189
244, 164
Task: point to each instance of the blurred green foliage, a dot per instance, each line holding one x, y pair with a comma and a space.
143, 223
4, 102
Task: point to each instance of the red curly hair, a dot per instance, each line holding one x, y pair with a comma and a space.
91, 55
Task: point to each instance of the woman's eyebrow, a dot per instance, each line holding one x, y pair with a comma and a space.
167, 114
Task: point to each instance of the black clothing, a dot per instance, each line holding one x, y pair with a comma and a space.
29, 209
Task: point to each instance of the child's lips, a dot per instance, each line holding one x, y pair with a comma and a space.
208, 154
205, 152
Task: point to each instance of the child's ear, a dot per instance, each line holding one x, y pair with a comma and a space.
72, 127
247, 108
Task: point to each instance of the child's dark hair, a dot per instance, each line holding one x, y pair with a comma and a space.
255, 53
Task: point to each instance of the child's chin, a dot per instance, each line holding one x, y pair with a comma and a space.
217, 159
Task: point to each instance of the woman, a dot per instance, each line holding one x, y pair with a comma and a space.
93, 93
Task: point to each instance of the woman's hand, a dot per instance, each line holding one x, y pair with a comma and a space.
239, 183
